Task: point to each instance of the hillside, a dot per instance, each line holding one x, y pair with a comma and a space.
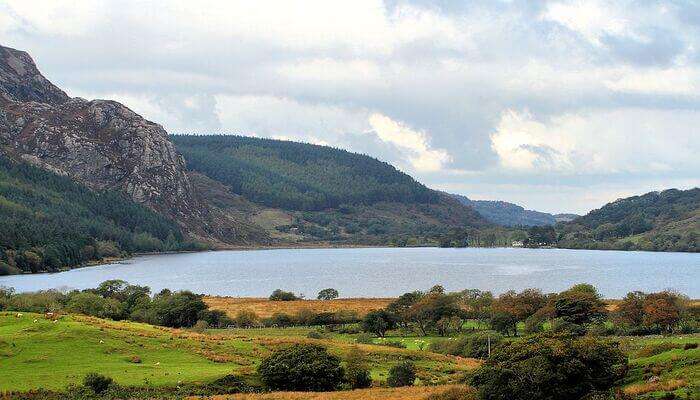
659, 221
305, 192
104, 146
509, 214
49, 222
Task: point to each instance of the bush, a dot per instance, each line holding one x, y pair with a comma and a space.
228, 384
92, 304
98, 383
654, 349
455, 393
200, 326
364, 338
403, 374
690, 346
302, 367
315, 335
280, 320
393, 343
246, 319
356, 371
474, 346
554, 367
281, 295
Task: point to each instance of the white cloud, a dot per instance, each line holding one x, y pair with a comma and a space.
599, 141
670, 81
590, 18
421, 156
65, 18
612, 85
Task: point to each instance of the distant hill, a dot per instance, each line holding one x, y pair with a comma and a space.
301, 191
511, 215
659, 221
49, 222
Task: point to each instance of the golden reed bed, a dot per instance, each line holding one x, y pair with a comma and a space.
265, 308
404, 393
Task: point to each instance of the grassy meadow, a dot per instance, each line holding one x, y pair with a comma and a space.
38, 352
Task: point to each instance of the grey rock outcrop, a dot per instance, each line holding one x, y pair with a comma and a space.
100, 143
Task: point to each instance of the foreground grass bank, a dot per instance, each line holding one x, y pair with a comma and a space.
36, 352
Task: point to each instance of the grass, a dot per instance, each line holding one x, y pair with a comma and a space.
265, 308
660, 365
404, 393
36, 352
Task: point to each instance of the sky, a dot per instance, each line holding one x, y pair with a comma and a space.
560, 106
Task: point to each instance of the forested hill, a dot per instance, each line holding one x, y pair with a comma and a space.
49, 222
660, 221
507, 214
299, 176
305, 192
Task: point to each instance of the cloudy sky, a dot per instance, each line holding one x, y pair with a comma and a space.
560, 106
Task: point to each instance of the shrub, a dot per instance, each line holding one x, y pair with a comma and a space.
328, 294
356, 371
228, 384
689, 346
92, 304
280, 320
301, 367
393, 343
176, 310
364, 338
474, 346
215, 318
200, 326
315, 335
403, 374
454, 393
98, 383
246, 319
654, 349
281, 295
554, 367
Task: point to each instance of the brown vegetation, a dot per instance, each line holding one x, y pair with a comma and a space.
265, 308
649, 387
403, 393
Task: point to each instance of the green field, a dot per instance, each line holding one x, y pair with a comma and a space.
37, 352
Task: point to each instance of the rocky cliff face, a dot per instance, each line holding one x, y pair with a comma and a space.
99, 143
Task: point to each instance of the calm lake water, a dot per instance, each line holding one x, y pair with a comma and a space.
383, 272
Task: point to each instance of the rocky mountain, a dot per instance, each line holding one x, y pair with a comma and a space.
101, 144
243, 192
509, 214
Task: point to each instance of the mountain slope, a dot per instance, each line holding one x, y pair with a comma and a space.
49, 222
660, 221
105, 146
507, 214
322, 193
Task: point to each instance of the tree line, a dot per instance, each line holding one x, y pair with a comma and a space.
49, 222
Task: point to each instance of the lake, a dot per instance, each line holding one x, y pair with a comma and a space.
384, 272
